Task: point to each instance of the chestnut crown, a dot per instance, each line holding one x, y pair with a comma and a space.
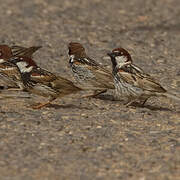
76, 49
5, 52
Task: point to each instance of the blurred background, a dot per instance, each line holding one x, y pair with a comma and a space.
112, 142
148, 29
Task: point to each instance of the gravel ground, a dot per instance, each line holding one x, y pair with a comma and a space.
98, 138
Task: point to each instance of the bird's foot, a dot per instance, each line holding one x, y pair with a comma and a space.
96, 93
40, 105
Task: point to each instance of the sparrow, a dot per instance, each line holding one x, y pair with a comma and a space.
42, 82
9, 73
131, 81
87, 72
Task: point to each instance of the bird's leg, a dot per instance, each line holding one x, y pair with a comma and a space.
39, 106
96, 93
144, 101
14, 89
130, 101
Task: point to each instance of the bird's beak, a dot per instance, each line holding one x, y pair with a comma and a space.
112, 55
113, 60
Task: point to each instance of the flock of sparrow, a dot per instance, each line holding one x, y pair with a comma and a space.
19, 70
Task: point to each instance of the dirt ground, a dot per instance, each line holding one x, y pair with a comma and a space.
90, 139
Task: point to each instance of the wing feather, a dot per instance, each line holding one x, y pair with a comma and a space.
103, 78
141, 80
23, 51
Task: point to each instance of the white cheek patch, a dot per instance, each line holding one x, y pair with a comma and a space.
22, 67
86, 59
71, 58
121, 59
2, 60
